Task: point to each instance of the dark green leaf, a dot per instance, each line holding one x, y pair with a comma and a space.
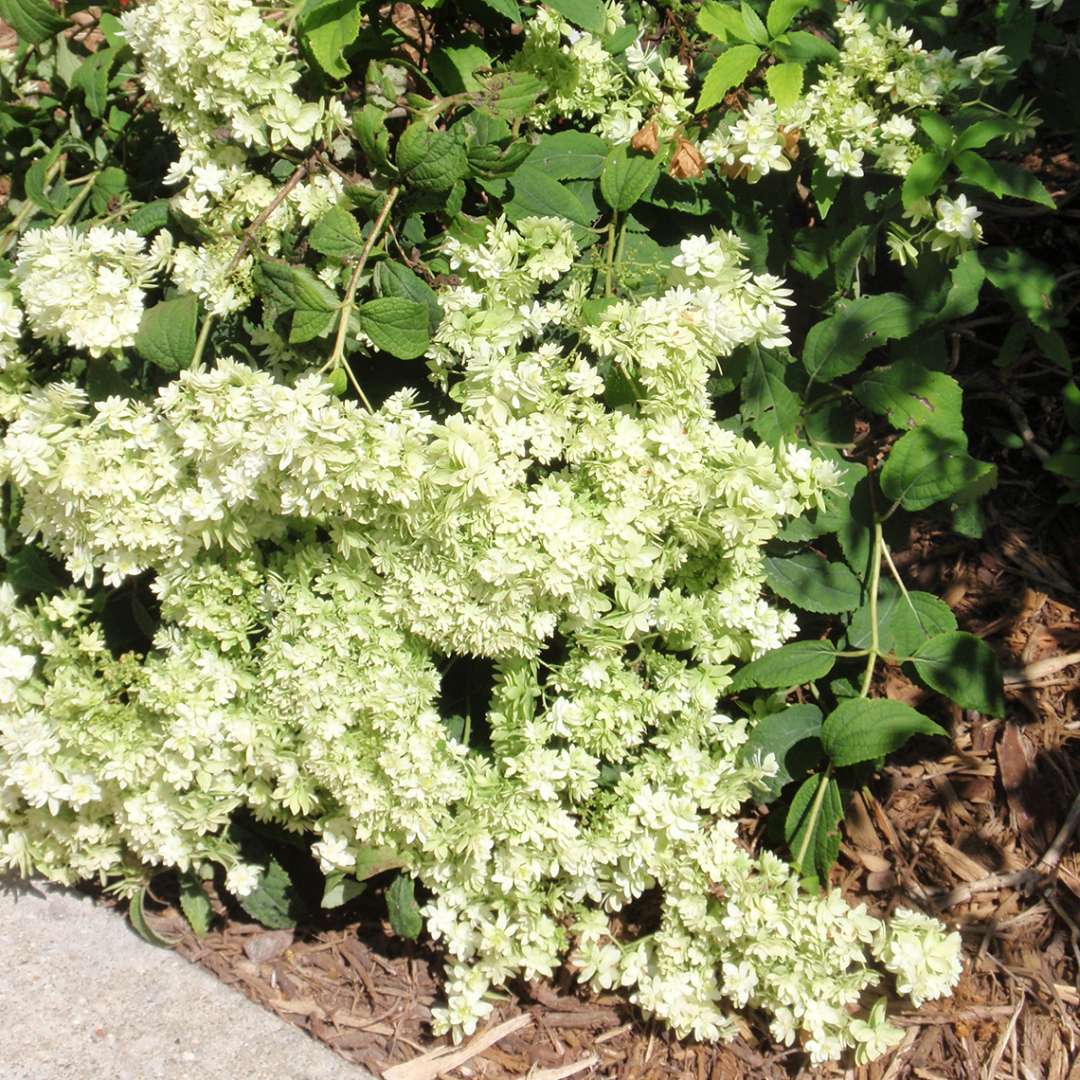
812, 583
824, 844
964, 669
92, 78
1020, 183
923, 176
838, 344
793, 737
570, 155
625, 178
31, 570
340, 889
981, 132
274, 902
396, 325
396, 279
430, 160
195, 904
537, 194
912, 395
34, 21
919, 616
769, 405
510, 94
1027, 283
927, 465
938, 128
336, 233
865, 729
327, 28
149, 218
369, 126
507, 8
402, 907
167, 332
790, 665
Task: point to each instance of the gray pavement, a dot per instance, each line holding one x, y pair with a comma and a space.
82, 997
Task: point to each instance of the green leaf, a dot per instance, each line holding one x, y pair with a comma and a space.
340, 889
336, 233
785, 82
195, 904
722, 21
824, 187
790, 665
167, 331
92, 78
793, 737
824, 844
964, 669
396, 279
507, 8
138, 921
31, 570
805, 48
537, 194
981, 132
923, 176
1027, 283
455, 67
294, 287
590, 15
402, 907
838, 344
34, 21
927, 465
109, 190
1018, 182
370, 862
327, 28
510, 94
308, 324
755, 28
919, 616
1071, 405
938, 128
34, 181
730, 69
626, 177
865, 729
570, 155
912, 395
274, 902
396, 325
812, 583
781, 14
769, 405
430, 160
369, 127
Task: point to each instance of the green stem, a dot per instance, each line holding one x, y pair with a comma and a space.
75, 205
875, 638
27, 210
204, 336
609, 271
811, 820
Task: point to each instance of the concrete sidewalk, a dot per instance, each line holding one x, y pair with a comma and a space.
82, 997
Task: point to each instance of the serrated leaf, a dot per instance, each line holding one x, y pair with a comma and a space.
626, 177
785, 82
812, 583
824, 843
805, 48
920, 616
149, 218
927, 465
755, 28
396, 279
510, 94
490, 160
92, 78
109, 190
923, 176
964, 669
722, 21
537, 194
327, 28
195, 904
402, 907
507, 8
340, 889
337, 234
167, 332
790, 665
837, 345
274, 902
730, 69
824, 187
396, 325
938, 128
1026, 282
781, 14
455, 67
1018, 182
570, 155
369, 127
769, 405
34, 21
590, 15
911, 395
430, 160
865, 729
793, 737
308, 324
30, 570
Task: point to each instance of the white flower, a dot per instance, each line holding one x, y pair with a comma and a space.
844, 160
243, 879
956, 217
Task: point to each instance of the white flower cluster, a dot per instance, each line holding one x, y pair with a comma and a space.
753, 143
585, 80
219, 64
10, 328
83, 288
608, 560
